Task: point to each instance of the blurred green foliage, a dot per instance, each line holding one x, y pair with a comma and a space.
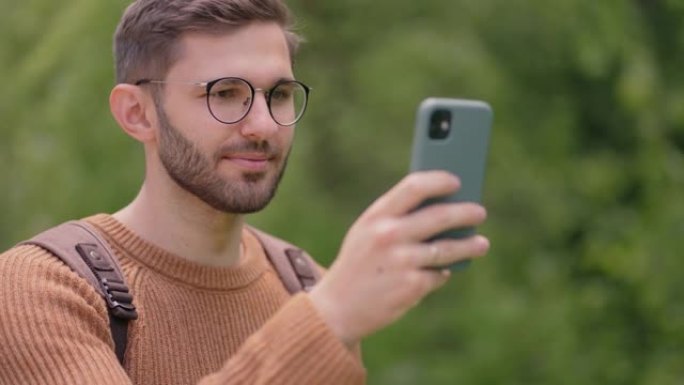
584, 192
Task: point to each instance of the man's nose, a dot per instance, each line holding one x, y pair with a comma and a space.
258, 124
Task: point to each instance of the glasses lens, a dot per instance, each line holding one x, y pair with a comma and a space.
288, 102
230, 99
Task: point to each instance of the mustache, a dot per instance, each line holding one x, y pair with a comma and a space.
262, 147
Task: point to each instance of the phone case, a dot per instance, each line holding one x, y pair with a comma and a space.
461, 149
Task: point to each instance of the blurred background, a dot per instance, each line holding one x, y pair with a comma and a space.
584, 189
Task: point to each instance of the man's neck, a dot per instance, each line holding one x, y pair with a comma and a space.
185, 226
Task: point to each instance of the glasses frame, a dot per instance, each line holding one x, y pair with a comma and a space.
267, 94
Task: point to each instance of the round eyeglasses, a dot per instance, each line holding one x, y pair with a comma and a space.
230, 99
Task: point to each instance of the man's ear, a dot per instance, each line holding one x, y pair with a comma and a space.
134, 110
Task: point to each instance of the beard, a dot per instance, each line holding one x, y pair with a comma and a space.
195, 172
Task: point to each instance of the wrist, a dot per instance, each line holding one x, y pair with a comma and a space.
329, 311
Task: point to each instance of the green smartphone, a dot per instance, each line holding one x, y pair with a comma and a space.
453, 135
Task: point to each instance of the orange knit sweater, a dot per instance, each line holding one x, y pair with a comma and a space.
196, 324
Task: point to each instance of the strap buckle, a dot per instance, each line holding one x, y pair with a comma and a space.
116, 292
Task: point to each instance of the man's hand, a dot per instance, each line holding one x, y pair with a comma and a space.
385, 267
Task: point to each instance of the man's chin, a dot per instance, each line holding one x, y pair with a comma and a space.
245, 204
249, 194
252, 194
254, 177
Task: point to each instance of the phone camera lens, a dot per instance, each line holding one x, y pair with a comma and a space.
440, 124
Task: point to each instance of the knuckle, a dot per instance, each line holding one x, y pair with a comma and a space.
445, 214
413, 184
458, 250
454, 251
442, 214
385, 232
418, 282
404, 257
468, 214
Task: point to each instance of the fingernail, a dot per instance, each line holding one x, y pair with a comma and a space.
485, 240
457, 180
484, 243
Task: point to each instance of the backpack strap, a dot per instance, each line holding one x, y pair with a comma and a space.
81, 247
296, 268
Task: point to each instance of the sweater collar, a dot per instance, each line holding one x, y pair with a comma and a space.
130, 247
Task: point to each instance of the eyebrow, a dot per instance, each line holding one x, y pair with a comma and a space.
270, 84
206, 83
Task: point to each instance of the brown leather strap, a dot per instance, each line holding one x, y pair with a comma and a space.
61, 241
296, 268
80, 246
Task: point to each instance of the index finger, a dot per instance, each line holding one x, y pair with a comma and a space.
413, 190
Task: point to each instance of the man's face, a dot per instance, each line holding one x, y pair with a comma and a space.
233, 168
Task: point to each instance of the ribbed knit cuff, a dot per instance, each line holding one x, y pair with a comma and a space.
315, 354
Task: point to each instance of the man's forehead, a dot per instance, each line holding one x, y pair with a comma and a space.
256, 47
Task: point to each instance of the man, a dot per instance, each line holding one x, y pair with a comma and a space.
207, 87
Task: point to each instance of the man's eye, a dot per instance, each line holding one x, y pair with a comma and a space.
225, 93
281, 93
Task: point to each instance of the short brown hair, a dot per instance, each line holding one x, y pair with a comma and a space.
146, 39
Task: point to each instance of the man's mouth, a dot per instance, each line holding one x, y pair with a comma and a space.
252, 161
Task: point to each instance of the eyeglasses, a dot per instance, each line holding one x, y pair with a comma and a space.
230, 99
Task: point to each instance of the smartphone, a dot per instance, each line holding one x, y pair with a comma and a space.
453, 135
